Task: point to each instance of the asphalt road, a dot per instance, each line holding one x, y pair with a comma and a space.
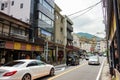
80, 72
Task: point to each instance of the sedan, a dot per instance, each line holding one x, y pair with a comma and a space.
25, 69
93, 60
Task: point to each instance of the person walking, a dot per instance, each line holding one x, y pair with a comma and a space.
3, 60
37, 56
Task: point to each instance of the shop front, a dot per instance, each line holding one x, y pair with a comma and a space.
13, 50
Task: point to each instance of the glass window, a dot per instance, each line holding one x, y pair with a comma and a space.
33, 63
2, 6
12, 3
46, 19
15, 30
46, 5
6, 30
40, 63
14, 63
40, 15
21, 5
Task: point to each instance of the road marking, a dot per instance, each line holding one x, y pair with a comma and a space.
100, 71
66, 71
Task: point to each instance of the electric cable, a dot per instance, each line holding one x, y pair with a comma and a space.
85, 9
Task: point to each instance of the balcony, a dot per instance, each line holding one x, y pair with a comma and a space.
19, 36
69, 27
69, 36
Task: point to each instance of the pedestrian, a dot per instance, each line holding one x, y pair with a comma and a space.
27, 56
37, 56
3, 60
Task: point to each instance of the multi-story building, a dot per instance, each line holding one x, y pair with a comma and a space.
59, 35
68, 34
39, 14
14, 39
101, 46
85, 44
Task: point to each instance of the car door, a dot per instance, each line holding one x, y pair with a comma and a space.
33, 67
42, 67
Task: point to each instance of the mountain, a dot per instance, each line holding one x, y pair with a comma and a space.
87, 35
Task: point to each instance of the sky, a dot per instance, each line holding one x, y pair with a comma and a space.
90, 22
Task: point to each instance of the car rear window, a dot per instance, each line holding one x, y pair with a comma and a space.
14, 64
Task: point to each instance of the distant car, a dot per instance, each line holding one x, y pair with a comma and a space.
87, 56
25, 70
72, 59
94, 60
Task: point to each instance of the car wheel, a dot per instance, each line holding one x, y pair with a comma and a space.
26, 77
52, 72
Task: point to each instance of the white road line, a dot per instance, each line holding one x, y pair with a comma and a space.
99, 74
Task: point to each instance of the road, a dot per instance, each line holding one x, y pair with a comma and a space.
80, 72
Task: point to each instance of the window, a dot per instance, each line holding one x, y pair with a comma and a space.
61, 30
34, 63
12, 3
21, 5
46, 5
2, 6
46, 19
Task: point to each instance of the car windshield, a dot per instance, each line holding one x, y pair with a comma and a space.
93, 57
14, 63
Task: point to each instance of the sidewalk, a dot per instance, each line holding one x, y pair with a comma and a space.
105, 75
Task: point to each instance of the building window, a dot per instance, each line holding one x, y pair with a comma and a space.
12, 3
61, 30
21, 5
2, 6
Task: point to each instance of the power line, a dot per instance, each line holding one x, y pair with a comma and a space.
88, 8
82, 13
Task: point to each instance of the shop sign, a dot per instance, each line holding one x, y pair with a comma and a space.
23, 46
28, 47
17, 45
33, 48
9, 45
37, 48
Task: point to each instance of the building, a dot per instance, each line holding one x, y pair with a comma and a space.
39, 14
76, 42
59, 35
111, 19
14, 39
68, 35
101, 46
85, 44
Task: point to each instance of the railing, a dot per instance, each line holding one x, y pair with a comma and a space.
13, 35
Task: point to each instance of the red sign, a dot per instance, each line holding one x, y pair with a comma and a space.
9, 45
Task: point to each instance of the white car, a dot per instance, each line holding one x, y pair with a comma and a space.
93, 60
25, 69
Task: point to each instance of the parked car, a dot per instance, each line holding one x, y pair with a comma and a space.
25, 69
93, 60
72, 59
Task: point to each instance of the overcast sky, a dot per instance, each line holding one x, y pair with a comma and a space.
91, 22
